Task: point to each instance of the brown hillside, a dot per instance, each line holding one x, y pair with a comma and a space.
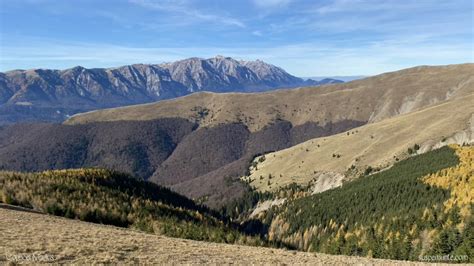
371, 99
378, 145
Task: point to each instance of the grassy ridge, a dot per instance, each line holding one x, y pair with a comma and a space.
109, 197
392, 214
379, 145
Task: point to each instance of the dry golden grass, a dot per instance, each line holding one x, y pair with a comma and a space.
45, 237
374, 144
371, 99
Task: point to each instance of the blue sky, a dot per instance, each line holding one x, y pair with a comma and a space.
307, 38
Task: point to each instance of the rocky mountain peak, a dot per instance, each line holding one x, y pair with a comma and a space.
81, 89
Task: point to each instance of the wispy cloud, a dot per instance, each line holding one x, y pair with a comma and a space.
366, 6
184, 8
376, 19
336, 6
271, 3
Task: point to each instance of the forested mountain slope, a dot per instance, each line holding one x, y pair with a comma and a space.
110, 197
135, 147
421, 206
170, 151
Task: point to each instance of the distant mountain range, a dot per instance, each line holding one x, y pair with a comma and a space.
54, 95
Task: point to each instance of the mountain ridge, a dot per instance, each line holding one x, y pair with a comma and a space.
371, 99
27, 94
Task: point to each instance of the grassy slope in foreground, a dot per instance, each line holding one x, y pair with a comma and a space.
376, 145
75, 242
409, 210
109, 197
